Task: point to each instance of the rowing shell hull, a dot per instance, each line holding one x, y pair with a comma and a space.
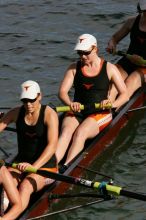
92, 150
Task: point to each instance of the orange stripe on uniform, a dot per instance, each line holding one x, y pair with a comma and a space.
142, 69
54, 169
103, 119
49, 181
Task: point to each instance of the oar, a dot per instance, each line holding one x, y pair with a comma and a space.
102, 186
82, 107
139, 62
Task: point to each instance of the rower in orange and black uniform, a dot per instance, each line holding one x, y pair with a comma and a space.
37, 129
137, 46
89, 90
133, 74
91, 78
32, 139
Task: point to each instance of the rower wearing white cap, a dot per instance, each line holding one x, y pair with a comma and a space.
37, 135
90, 77
133, 73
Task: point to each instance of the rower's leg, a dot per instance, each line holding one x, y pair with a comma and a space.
133, 82
89, 128
11, 194
32, 183
68, 127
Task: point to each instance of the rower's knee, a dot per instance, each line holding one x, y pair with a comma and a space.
28, 185
66, 133
133, 82
79, 135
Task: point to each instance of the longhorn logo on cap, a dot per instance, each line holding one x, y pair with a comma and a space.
26, 87
81, 39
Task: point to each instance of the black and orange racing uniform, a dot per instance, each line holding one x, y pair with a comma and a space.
137, 46
32, 140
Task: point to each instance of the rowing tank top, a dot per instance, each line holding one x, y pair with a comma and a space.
32, 140
138, 40
89, 90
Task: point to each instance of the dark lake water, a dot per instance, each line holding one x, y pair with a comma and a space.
37, 38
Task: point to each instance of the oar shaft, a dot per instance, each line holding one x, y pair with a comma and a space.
116, 190
133, 195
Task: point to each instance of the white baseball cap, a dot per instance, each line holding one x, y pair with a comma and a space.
85, 42
142, 4
29, 90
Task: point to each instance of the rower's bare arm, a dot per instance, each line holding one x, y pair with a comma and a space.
120, 34
67, 84
51, 121
9, 117
115, 76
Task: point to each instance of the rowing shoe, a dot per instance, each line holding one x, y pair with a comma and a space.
101, 186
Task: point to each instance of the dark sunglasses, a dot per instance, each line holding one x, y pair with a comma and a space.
28, 100
81, 52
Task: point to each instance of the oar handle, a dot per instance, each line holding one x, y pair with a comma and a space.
14, 165
140, 61
27, 170
82, 107
122, 53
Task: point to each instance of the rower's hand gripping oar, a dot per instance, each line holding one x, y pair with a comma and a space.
82, 107
138, 60
68, 108
111, 189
